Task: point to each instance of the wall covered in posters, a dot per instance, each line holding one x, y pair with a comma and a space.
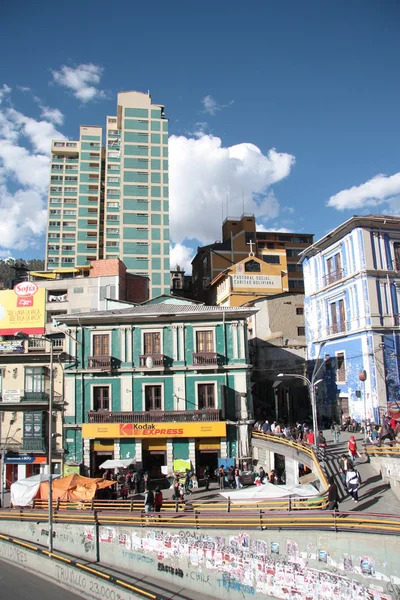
303, 567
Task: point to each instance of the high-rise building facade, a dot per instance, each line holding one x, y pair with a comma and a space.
112, 201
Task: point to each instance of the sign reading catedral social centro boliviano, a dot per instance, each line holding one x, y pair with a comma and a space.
152, 430
22, 309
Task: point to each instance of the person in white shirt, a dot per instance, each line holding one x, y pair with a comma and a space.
273, 427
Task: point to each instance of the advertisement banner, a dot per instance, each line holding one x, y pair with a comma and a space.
22, 309
154, 430
11, 396
12, 347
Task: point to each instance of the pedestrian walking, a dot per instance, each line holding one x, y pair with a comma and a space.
332, 494
148, 500
237, 479
321, 446
221, 477
344, 464
158, 499
352, 447
206, 476
335, 432
136, 481
353, 481
188, 482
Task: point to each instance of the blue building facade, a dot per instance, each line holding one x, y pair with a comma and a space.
352, 307
161, 382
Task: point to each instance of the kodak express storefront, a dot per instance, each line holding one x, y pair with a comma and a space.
156, 445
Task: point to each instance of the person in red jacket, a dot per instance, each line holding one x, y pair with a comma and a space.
310, 438
353, 452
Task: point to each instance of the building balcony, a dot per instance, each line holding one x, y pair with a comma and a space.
34, 445
101, 363
151, 361
333, 277
155, 416
340, 327
205, 359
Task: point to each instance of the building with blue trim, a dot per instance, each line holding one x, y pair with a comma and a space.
352, 307
163, 381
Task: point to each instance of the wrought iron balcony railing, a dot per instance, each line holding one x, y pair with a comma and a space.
156, 360
155, 416
205, 359
103, 363
332, 277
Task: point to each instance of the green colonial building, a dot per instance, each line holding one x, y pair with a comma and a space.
163, 381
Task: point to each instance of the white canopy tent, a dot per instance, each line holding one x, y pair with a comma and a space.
24, 491
266, 491
118, 463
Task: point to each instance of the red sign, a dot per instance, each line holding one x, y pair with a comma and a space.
126, 429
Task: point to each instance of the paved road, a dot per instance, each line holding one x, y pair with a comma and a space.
18, 584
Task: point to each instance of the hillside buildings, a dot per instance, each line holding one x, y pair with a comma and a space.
239, 237
352, 308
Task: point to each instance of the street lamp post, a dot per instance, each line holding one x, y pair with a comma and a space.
311, 384
3, 458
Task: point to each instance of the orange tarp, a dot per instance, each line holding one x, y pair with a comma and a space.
73, 488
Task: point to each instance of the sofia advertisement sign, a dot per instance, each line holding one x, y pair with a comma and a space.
22, 309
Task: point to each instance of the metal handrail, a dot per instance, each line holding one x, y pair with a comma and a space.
382, 450
317, 520
270, 437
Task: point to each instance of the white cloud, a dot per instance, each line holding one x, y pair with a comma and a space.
4, 91
82, 80
54, 115
261, 227
181, 255
23, 88
24, 164
203, 174
211, 106
379, 190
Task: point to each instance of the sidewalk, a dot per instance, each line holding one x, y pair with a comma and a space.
375, 495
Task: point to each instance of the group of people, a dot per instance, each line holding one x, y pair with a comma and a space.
126, 483
232, 475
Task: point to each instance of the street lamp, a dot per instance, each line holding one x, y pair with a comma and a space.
311, 384
22, 335
3, 457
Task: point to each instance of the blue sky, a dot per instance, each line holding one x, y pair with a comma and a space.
317, 83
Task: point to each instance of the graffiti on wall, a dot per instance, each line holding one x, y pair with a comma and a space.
249, 566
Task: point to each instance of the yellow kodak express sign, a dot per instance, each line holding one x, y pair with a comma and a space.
154, 430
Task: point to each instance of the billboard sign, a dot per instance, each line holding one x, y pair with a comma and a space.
12, 347
154, 430
11, 396
22, 309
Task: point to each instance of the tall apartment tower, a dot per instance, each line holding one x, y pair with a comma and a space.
112, 201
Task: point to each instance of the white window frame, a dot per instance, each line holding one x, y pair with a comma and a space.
100, 332
343, 352
199, 328
92, 394
148, 384
151, 330
206, 382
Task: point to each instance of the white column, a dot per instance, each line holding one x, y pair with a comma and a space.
86, 453
69, 396
117, 449
21, 470
242, 351
170, 456
138, 452
192, 452
129, 344
179, 392
174, 329
234, 328
181, 353
122, 343
223, 451
126, 393
291, 471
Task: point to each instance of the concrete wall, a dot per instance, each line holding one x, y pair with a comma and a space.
389, 467
66, 576
236, 565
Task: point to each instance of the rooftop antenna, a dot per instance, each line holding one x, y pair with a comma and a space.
243, 202
222, 211
227, 203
